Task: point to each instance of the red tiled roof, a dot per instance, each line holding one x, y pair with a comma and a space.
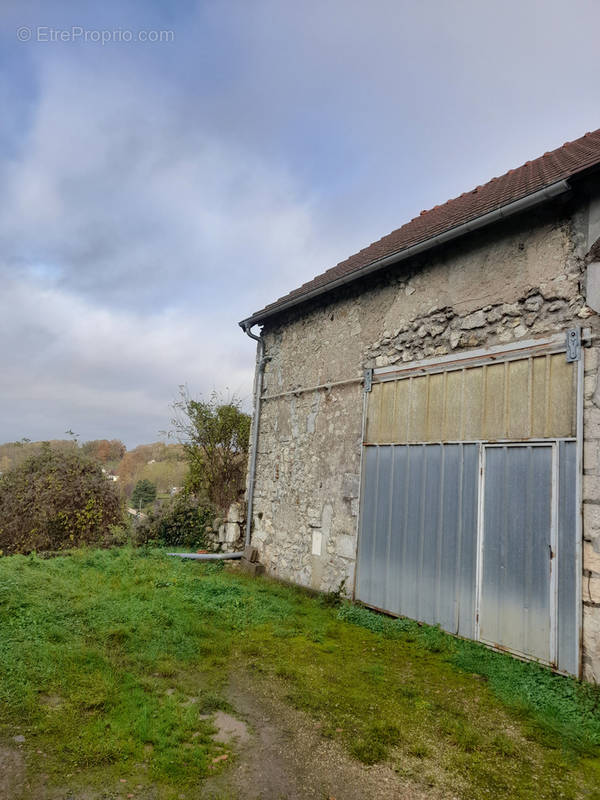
533, 176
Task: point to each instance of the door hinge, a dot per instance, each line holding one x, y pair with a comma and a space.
368, 380
573, 344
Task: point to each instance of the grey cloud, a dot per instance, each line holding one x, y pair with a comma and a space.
152, 197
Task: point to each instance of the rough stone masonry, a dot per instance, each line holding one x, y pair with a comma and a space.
521, 279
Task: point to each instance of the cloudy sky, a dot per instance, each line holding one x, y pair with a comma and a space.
155, 193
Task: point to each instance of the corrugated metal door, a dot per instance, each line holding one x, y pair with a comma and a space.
418, 545
469, 477
518, 543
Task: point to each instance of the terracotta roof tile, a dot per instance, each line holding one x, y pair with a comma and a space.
562, 163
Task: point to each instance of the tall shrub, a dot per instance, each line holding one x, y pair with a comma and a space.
56, 500
215, 436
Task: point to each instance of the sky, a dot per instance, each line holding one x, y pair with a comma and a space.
207, 157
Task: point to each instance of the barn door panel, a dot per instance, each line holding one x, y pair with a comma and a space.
518, 545
495, 558
418, 539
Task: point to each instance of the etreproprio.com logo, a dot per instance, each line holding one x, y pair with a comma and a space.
77, 33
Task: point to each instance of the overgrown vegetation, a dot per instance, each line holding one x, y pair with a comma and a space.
215, 436
56, 500
179, 522
564, 708
62, 493
108, 660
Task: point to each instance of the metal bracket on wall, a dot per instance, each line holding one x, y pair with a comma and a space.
368, 380
573, 344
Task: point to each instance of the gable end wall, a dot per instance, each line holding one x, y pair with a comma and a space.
521, 280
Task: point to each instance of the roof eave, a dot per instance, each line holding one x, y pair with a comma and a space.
522, 204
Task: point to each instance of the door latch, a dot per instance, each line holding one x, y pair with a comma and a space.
573, 345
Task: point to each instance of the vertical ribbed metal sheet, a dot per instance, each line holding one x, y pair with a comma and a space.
418, 538
418, 542
567, 631
516, 604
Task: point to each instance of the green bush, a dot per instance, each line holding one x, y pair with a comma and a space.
56, 500
180, 522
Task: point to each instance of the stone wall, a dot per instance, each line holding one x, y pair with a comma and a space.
591, 512
226, 534
519, 281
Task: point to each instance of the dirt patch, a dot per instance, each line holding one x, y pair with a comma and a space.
285, 757
230, 730
12, 774
51, 700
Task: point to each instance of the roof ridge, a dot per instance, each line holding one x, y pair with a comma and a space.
533, 175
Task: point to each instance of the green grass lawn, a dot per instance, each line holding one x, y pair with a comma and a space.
109, 660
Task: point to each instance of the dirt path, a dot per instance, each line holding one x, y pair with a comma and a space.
12, 773
280, 754
286, 758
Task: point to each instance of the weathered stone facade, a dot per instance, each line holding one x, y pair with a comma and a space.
226, 535
520, 280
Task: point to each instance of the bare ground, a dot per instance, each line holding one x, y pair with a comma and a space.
279, 754
12, 773
286, 758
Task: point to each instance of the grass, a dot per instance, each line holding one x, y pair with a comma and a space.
109, 660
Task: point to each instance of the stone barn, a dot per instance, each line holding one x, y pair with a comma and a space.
426, 429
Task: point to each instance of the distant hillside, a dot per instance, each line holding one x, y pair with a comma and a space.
162, 464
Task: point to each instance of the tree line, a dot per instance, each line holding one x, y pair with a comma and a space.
61, 493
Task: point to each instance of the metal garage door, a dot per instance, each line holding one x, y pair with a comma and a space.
468, 499
518, 543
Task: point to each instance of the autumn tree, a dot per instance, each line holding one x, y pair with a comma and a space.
131, 466
104, 450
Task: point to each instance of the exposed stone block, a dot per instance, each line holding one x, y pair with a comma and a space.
591, 519
590, 355
591, 589
345, 546
252, 567
591, 557
251, 554
589, 386
231, 533
590, 455
235, 513
476, 320
455, 337
585, 312
534, 303
591, 422
557, 305
591, 488
591, 643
